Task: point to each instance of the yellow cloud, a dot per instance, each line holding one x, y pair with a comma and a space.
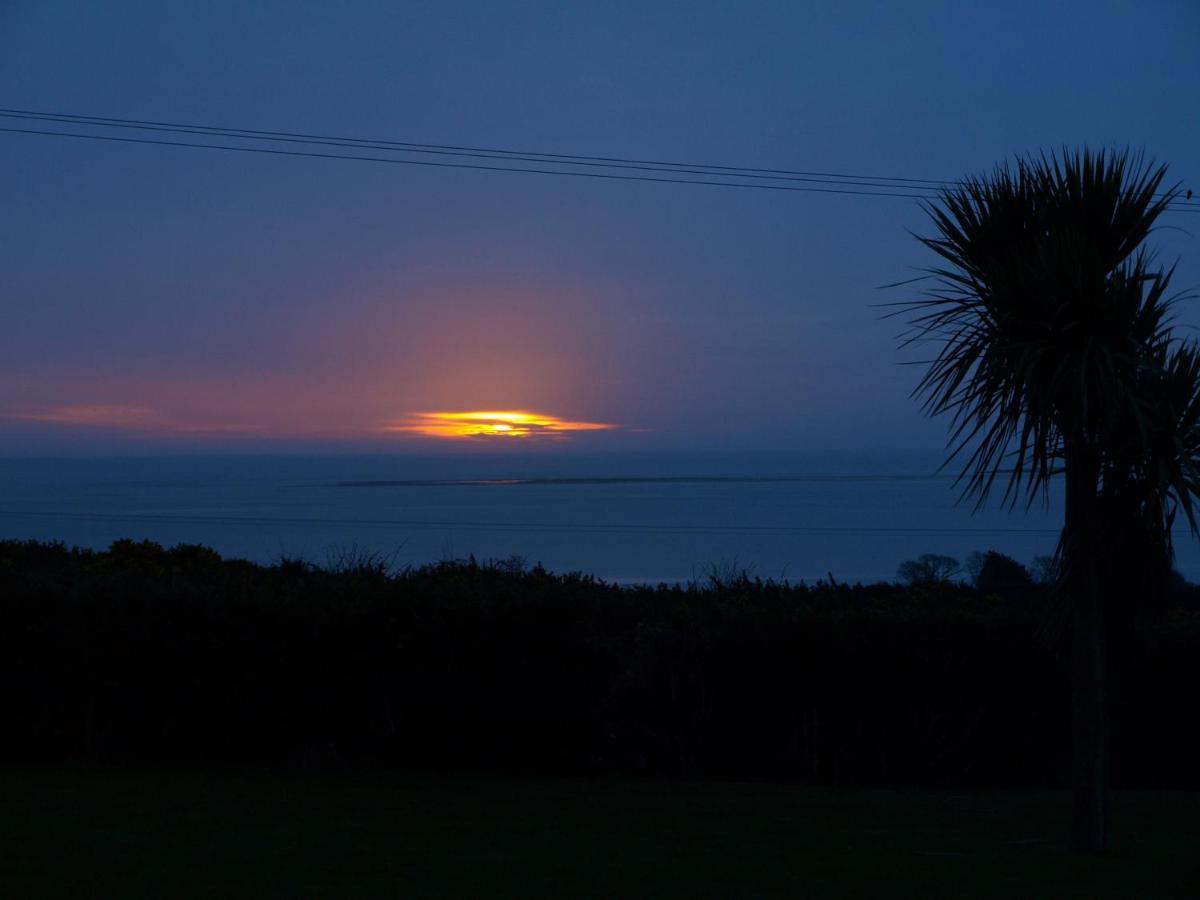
491, 423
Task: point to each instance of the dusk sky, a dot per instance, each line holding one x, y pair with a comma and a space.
160, 299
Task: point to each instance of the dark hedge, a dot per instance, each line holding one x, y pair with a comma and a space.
146, 656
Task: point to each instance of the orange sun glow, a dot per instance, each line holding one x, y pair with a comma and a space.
494, 423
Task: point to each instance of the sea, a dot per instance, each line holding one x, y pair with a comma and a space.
628, 518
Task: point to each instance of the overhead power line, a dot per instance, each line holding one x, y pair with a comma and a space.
481, 153
708, 174
453, 149
458, 149
475, 166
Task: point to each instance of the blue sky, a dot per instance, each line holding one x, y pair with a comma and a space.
159, 298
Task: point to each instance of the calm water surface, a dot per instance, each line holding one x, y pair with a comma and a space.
622, 517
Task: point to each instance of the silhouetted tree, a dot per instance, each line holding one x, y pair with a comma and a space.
1053, 337
928, 568
1044, 570
996, 573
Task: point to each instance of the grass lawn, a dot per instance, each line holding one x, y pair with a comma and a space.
100, 834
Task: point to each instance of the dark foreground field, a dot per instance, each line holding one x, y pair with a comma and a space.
93, 834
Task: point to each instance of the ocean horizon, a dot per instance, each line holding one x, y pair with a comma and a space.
626, 518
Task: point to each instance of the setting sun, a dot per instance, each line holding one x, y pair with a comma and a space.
491, 423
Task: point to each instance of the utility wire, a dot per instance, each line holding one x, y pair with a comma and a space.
356, 143
249, 133
409, 146
710, 174
488, 152
474, 166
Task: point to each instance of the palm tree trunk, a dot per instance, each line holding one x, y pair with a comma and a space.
1089, 687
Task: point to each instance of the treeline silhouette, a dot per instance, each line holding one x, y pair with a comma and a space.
147, 656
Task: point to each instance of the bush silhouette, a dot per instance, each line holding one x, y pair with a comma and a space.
152, 656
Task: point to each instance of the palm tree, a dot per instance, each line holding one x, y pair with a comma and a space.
1149, 477
1053, 329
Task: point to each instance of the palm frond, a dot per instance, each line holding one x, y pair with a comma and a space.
1043, 303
